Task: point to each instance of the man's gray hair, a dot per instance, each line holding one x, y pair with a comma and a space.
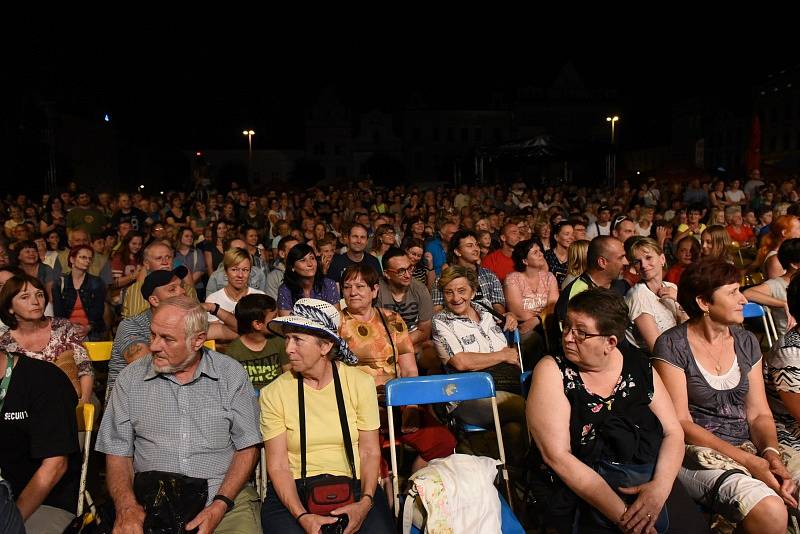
157, 243
196, 316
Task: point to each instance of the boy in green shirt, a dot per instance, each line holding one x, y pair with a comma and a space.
262, 354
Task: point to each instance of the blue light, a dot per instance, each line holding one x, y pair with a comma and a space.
107, 118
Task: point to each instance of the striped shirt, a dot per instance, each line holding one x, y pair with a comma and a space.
193, 429
132, 330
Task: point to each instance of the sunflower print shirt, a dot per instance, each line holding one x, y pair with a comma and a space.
369, 341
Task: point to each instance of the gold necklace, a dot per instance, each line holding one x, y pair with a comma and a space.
710, 349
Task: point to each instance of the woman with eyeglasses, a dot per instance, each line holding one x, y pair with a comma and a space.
604, 425
382, 240
652, 302
712, 369
236, 262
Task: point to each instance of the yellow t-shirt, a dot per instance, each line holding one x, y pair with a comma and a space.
324, 444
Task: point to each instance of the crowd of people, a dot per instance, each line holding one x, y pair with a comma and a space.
646, 387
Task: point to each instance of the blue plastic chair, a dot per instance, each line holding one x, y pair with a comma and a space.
753, 310
513, 339
437, 389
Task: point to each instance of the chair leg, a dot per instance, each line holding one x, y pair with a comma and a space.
766, 329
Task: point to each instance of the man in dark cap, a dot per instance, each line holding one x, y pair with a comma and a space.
133, 334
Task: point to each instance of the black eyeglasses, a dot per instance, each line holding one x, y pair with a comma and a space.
579, 335
402, 272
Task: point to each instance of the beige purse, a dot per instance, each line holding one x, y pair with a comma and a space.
66, 362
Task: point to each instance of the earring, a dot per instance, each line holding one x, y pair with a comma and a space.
706, 313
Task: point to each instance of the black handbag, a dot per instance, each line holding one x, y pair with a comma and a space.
324, 494
170, 500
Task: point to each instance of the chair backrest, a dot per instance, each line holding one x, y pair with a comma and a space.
99, 351
439, 388
85, 414
751, 310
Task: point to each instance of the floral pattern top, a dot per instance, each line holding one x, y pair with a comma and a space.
369, 341
63, 337
602, 427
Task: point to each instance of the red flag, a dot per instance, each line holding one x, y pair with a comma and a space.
752, 158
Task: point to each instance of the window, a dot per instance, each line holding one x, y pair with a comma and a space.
376, 137
337, 150
498, 134
435, 133
478, 134
415, 134
319, 149
451, 134
464, 135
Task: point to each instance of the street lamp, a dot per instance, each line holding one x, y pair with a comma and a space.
613, 120
612, 156
249, 134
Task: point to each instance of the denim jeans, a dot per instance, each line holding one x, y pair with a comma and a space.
10, 520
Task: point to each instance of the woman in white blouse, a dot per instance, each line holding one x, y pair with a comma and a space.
652, 303
468, 339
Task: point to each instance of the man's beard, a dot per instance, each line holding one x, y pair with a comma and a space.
171, 369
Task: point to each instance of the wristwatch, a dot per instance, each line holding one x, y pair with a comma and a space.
228, 502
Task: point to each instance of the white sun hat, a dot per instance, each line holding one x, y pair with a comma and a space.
318, 317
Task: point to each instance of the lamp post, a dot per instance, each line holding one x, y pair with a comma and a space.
612, 155
613, 120
249, 134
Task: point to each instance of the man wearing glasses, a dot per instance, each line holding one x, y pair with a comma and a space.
399, 292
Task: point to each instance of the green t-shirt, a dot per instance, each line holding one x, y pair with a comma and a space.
264, 366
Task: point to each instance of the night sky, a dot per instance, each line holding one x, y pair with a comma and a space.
200, 89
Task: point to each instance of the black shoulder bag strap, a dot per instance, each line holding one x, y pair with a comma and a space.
391, 341
348, 444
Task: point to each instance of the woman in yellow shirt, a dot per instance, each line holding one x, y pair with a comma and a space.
315, 349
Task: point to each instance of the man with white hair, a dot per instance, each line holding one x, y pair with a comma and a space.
183, 411
158, 256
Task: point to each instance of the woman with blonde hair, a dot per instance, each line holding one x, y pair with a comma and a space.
652, 302
717, 217
715, 243
576, 261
